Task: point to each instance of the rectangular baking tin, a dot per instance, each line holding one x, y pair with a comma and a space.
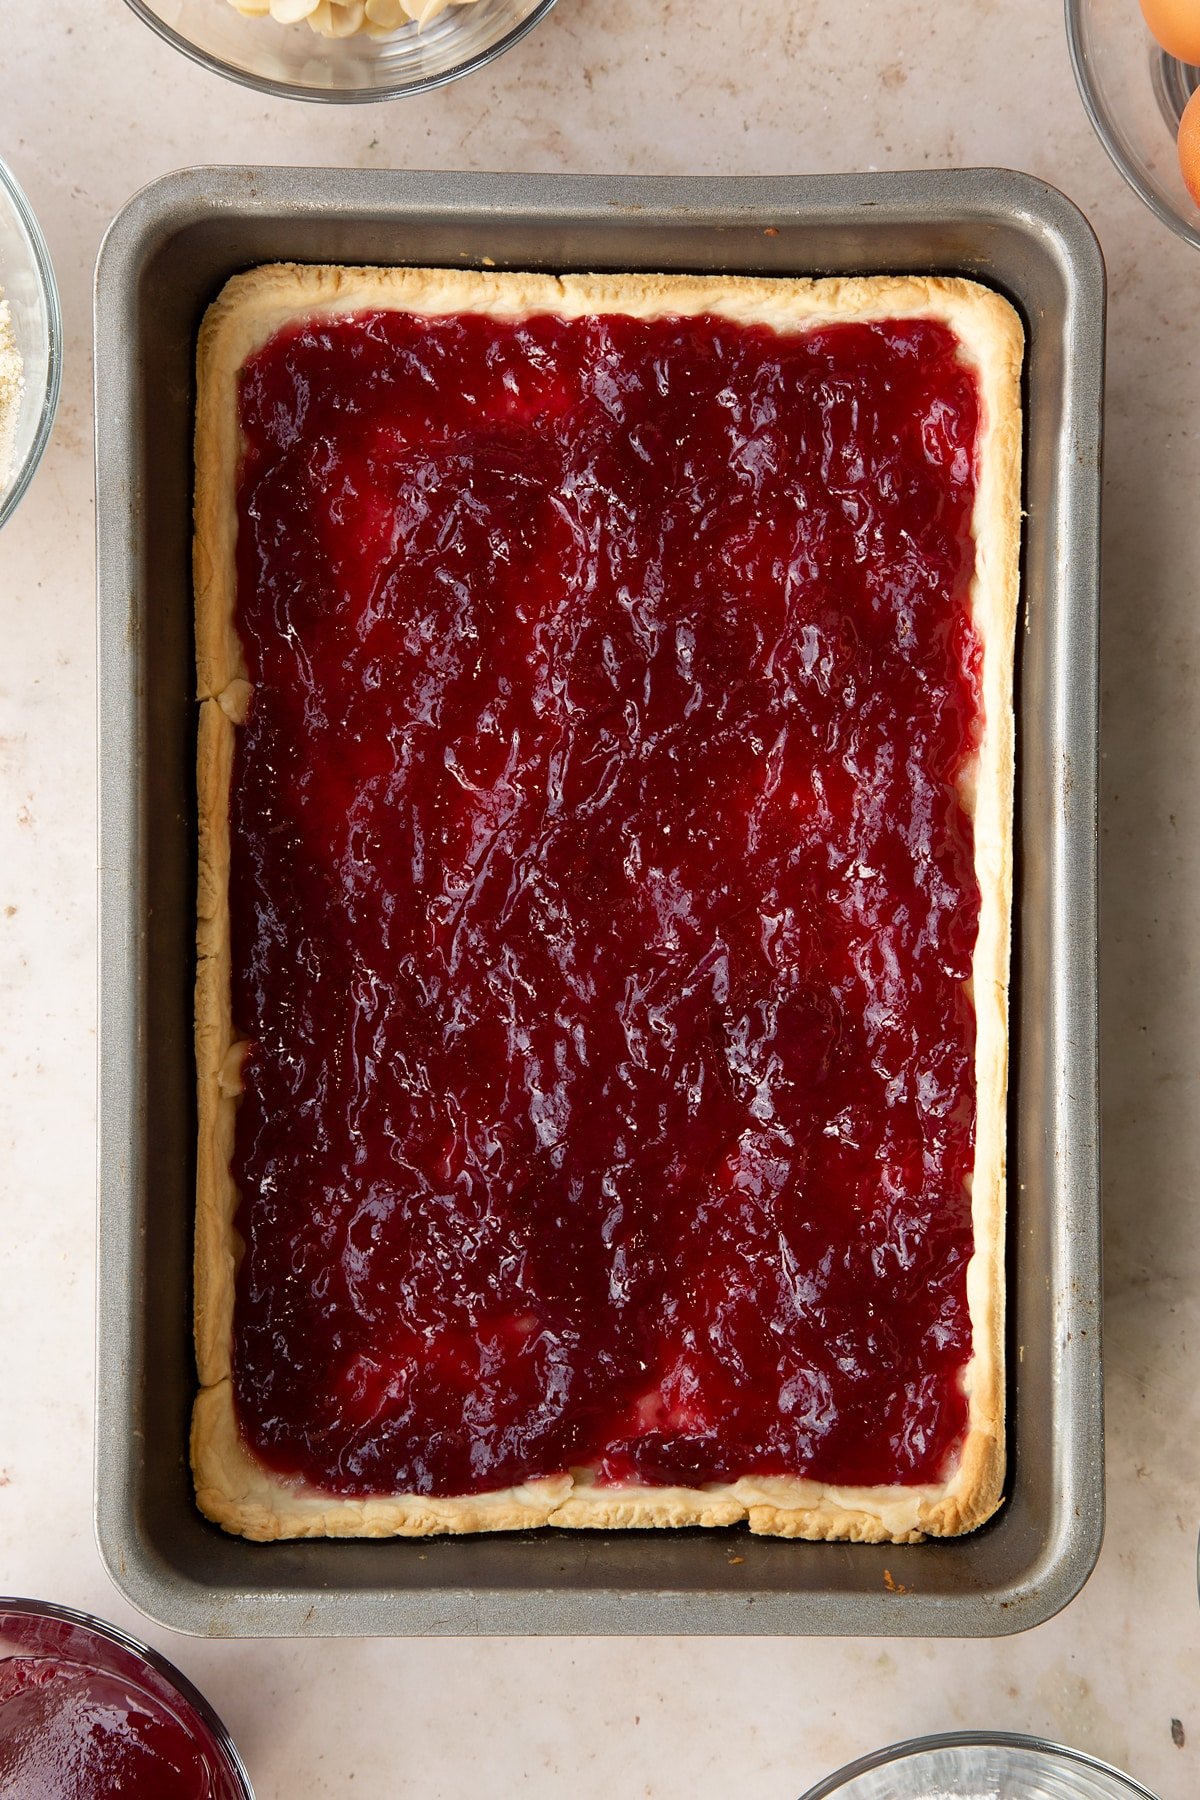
165, 257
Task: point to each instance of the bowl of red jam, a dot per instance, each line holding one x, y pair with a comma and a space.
87, 1713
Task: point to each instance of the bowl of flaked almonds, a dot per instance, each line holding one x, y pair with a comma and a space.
342, 50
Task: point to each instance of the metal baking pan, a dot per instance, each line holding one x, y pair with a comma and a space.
165, 257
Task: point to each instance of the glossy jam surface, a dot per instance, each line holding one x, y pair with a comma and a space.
82, 1718
602, 901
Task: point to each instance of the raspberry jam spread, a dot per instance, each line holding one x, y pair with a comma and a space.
602, 901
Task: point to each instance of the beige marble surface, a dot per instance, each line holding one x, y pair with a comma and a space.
91, 106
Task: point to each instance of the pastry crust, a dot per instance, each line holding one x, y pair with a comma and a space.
232, 1486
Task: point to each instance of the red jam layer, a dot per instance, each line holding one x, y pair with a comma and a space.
602, 901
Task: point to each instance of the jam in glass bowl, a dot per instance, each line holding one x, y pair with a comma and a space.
87, 1713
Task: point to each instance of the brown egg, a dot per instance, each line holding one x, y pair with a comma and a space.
1176, 25
1189, 146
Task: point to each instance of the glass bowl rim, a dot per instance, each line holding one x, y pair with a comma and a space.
44, 272
1096, 112
953, 1740
337, 96
209, 1717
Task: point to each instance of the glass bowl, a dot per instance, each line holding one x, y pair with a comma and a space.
1134, 94
27, 282
978, 1765
74, 1692
293, 62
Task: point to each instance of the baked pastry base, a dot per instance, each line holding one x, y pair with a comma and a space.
232, 1486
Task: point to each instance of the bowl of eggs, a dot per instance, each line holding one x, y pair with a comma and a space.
342, 49
1137, 63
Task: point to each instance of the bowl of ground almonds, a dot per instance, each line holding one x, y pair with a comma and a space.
30, 344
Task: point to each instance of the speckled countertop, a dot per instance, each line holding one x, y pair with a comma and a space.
92, 106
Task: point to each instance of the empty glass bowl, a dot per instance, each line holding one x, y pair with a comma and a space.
293, 62
1134, 93
27, 283
86, 1713
978, 1765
